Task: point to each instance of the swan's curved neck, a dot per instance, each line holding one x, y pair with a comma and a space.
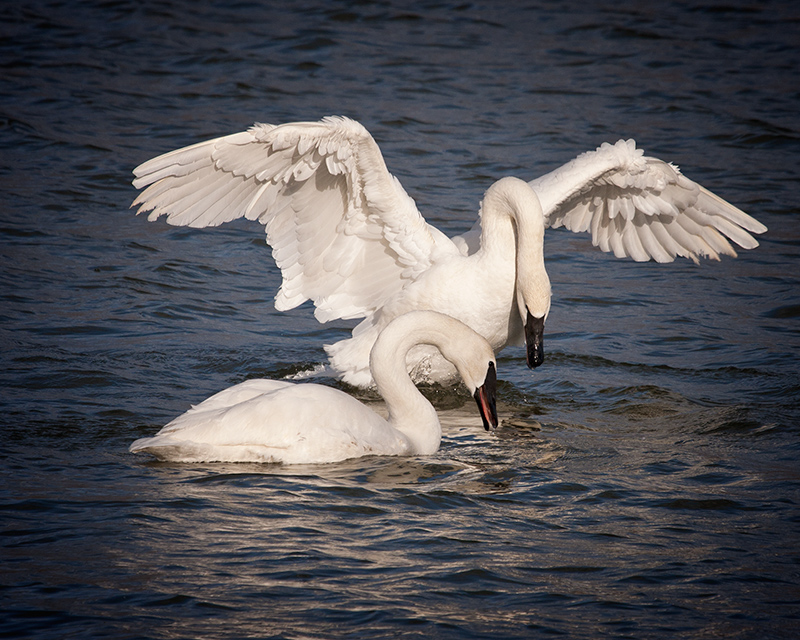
512, 222
409, 411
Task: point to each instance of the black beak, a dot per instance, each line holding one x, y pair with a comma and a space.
534, 340
486, 397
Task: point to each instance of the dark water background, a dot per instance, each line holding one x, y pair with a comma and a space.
646, 480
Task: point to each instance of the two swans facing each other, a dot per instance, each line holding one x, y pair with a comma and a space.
279, 421
346, 235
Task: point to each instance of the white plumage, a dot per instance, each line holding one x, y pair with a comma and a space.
279, 421
347, 236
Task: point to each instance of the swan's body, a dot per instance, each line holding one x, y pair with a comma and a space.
279, 421
347, 236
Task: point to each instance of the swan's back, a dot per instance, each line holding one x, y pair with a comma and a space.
274, 421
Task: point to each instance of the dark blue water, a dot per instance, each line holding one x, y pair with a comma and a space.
645, 481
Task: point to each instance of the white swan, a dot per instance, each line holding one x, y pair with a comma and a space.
347, 236
279, 421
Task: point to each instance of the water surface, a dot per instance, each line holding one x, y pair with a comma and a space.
644, 482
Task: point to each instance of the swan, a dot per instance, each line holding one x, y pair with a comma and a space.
346, 235
279, 421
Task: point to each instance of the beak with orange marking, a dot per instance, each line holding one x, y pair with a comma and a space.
486, 397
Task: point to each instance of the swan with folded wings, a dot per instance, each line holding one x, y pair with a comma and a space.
346, 235
264, 420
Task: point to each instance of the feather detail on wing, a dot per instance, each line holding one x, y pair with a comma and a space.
342, 229
641, 207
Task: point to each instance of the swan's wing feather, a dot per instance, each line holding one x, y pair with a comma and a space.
641, 207
343, 230
470, 241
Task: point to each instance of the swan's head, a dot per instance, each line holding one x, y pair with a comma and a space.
479, 373
474, 360
521, 203
467, 350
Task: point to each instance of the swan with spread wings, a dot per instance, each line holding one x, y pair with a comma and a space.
347, 236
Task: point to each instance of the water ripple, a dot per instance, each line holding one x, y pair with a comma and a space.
643, 482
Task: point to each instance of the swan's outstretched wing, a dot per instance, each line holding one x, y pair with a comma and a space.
342, 229
641, 207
